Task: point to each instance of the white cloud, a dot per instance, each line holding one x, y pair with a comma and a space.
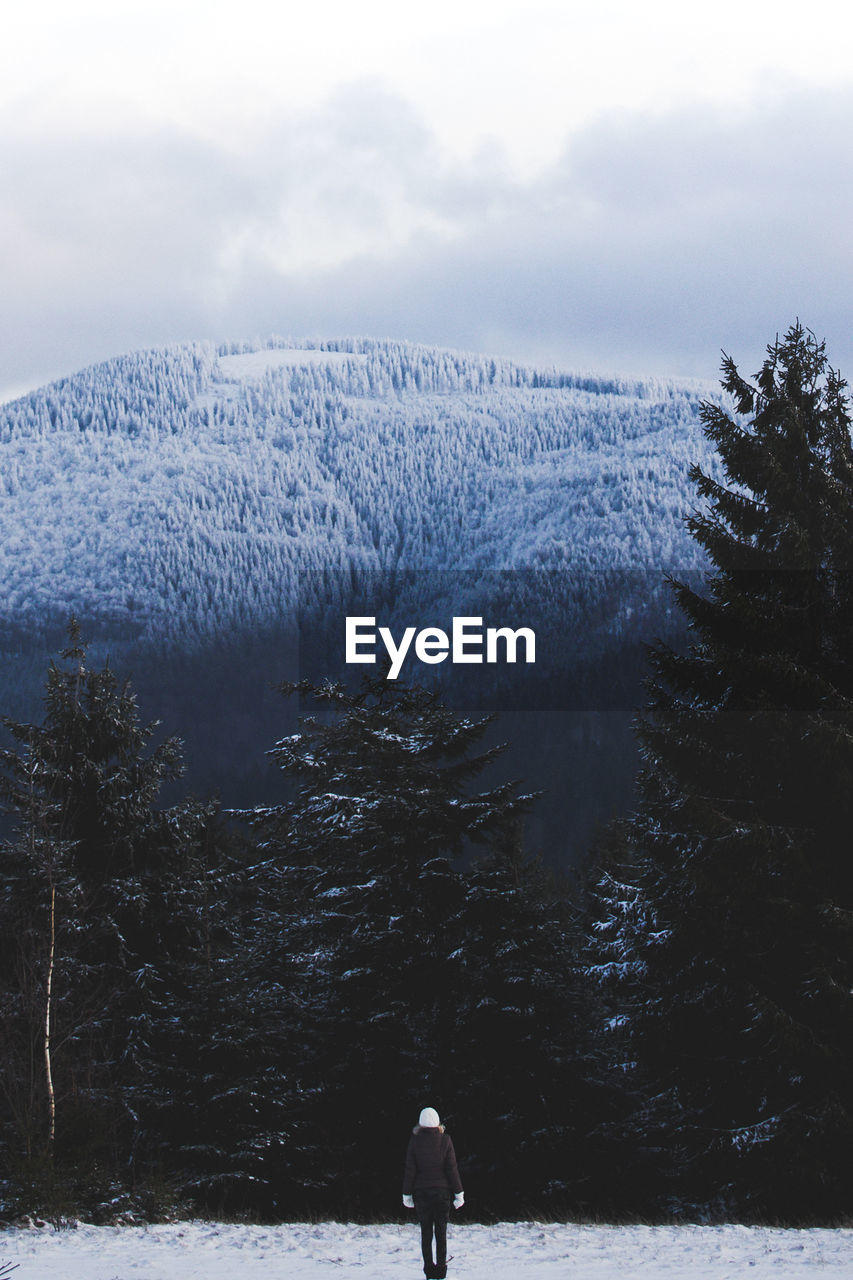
654, 239
525, 72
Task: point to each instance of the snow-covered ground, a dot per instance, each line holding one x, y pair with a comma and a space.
212, 1251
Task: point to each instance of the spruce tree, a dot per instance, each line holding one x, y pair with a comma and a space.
732, 939
101, 898
365, 959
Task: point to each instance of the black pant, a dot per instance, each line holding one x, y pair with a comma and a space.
433, 1208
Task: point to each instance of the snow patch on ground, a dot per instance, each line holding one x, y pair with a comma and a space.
254, 364
310, 1251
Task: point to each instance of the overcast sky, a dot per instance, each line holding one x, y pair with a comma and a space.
620, 186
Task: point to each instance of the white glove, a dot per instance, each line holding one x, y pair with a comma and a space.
459, 1200
409, 1202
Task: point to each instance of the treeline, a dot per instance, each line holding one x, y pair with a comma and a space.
243, 1013
248, 1022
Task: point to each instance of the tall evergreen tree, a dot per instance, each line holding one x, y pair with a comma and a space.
100, 898
732, 939
361, 863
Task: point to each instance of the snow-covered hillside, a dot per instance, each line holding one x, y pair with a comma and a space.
185, 492
211, 514
207, 1251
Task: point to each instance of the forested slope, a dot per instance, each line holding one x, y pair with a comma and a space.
197, 503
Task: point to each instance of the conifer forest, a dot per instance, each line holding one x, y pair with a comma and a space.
598, 912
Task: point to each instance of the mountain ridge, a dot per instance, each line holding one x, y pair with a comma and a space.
160, 489
210, 513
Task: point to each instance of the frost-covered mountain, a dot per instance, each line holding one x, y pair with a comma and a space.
182, 492
183, 500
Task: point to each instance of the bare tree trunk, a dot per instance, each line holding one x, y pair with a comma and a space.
51, 1098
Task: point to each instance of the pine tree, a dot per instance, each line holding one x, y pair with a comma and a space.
734, 936
367, 953
101, 898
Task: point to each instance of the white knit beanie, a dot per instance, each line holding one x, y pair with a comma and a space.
428, 1119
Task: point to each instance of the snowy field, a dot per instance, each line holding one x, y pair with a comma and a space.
211, 1251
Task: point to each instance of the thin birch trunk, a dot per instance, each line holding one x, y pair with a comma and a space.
51, 1098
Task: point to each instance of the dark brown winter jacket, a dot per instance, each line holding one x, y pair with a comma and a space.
430, 1162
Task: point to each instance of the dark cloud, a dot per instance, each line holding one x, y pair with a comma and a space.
653, 242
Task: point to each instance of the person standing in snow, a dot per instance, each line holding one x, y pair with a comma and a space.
430, 1181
